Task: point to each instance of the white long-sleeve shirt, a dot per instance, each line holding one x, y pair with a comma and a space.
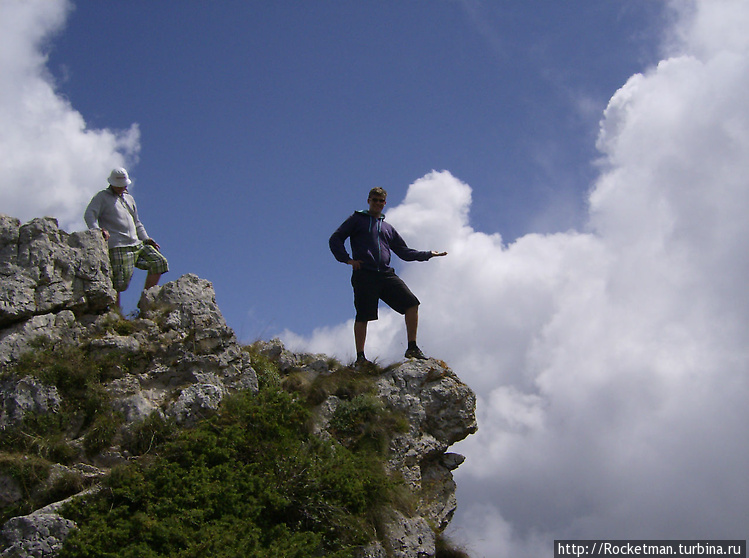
118, 215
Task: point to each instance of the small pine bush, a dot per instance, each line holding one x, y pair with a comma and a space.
250, 481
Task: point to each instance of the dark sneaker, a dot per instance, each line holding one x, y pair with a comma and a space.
361, 362
415, 352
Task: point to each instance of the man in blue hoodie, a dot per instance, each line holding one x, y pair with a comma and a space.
372, 241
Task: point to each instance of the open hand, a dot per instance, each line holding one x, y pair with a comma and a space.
439, 253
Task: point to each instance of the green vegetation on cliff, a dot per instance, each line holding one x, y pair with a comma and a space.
250, 481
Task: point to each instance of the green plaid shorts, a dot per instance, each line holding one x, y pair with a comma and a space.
125, 259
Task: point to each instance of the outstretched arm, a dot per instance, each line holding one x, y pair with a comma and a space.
398, 245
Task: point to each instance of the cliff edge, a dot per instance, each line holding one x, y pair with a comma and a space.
79, 384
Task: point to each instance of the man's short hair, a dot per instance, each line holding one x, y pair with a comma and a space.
377, 191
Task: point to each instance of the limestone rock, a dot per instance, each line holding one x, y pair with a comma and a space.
25, 395
37, 535
198, 352
44, 269
198, 400
275, 350
19, 337
441, 412
408, 537
188, 305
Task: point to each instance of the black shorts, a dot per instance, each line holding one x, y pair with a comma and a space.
371, 286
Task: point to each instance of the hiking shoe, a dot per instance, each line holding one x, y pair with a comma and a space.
415, 352
361, 362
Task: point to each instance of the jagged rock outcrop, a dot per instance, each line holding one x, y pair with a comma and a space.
21, 396
47, 277
45, 270
179, 360
190, 357
37, 535
440, 410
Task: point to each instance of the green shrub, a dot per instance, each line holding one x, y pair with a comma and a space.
124, 327
28, 472
148, 435
250, 481
267, 372
41, 435
344, 383
101, 433
365, 423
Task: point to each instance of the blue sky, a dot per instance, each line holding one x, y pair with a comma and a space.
583, 163
264, 124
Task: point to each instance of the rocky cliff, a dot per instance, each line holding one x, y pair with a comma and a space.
176, 363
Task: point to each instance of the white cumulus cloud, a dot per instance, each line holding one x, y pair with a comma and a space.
611, 364
52, 162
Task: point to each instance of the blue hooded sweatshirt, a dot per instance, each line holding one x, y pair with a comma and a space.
372, 240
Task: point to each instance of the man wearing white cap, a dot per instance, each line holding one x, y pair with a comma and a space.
113, 211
